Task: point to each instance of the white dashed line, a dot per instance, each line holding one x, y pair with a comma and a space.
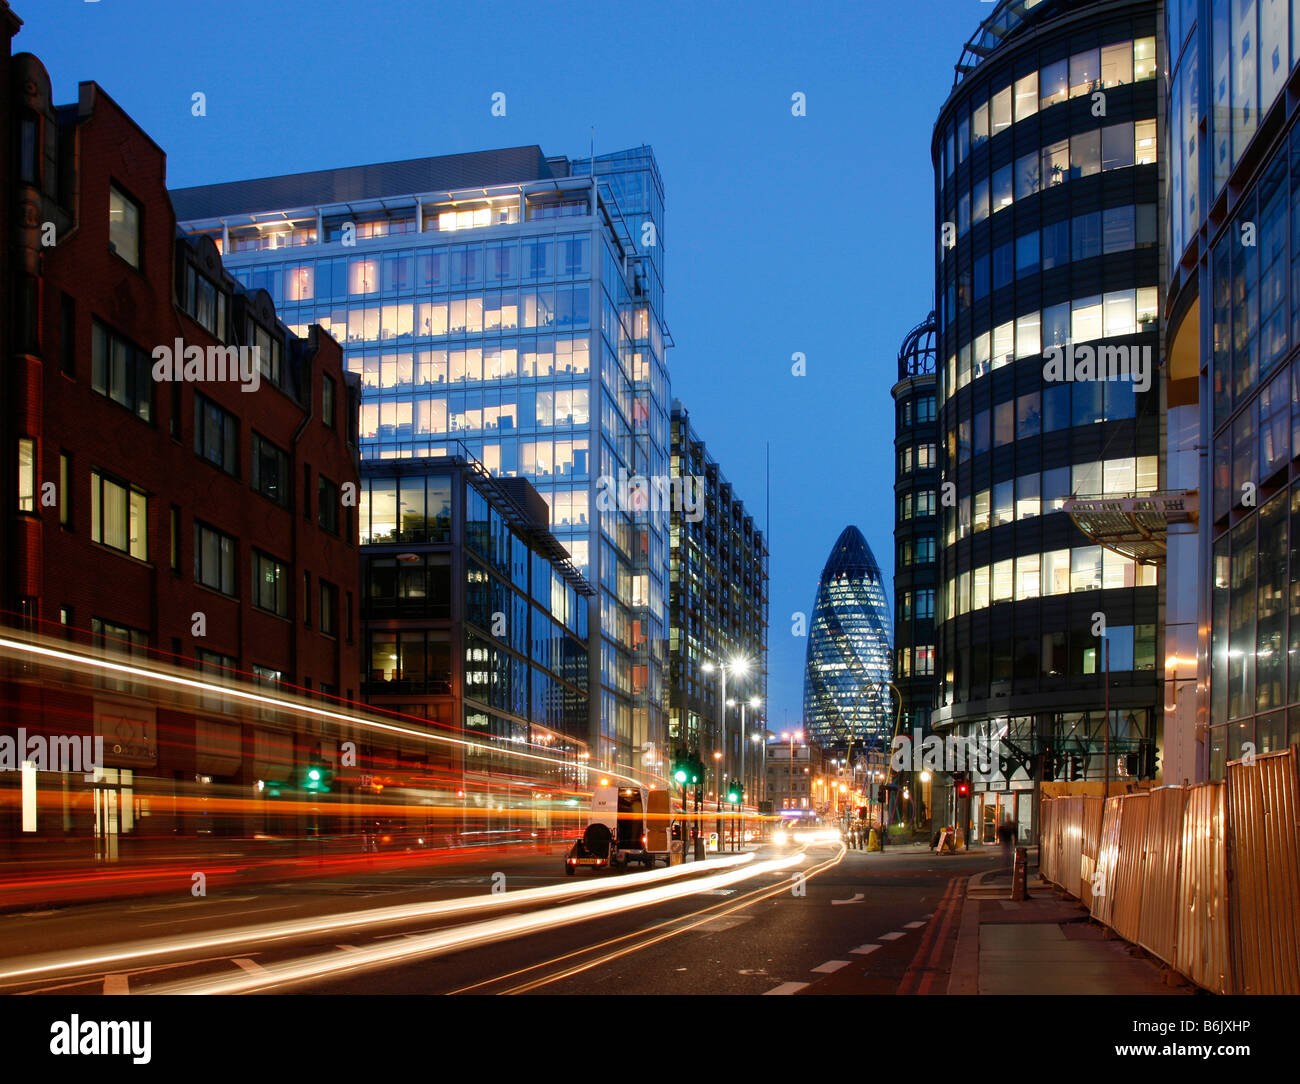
116, 984
251, 966
891, 936
913, 925
863, 950
830, 966
787, 988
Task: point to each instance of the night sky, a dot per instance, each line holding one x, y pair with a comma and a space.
784, 234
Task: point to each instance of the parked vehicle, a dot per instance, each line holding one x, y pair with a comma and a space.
626, 825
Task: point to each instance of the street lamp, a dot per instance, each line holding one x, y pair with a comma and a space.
754, 702
794, 736
717, 782
738, 665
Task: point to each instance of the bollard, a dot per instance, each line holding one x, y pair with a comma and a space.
1019, 873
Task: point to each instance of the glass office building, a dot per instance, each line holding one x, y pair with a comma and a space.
472, 615
916, 507
718, 614
1233, 319
846, 699
1046, 197
511, 304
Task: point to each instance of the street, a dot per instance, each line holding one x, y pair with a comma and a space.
809, 919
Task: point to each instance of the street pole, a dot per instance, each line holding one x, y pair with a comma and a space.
1106, 678
744, 739
722, 714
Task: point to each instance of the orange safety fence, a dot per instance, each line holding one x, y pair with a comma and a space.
1265, 880
1205, 877
1158, 923
1201, 941
1092, 810
1126, 888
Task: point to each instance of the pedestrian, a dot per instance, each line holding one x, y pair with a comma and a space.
884, 831
1007, 837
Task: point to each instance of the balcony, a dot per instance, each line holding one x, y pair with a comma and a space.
1134, 526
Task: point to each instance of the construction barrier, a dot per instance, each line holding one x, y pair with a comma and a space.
1158, 923
1091, 843
1262, 819
1071, 838
1201, 943
1049, 845
1205, 878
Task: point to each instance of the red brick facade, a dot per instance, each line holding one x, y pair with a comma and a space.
56, 563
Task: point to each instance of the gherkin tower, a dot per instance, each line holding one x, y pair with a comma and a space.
844, 698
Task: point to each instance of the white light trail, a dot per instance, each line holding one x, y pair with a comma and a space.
423, 946
28, 967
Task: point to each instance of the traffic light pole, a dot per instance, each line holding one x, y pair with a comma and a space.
1105, 648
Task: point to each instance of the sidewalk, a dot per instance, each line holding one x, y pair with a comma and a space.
1043, 945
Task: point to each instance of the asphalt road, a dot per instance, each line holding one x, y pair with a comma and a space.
838, 922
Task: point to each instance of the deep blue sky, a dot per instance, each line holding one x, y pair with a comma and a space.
783, 234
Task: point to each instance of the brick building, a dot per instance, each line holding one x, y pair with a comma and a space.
209, 522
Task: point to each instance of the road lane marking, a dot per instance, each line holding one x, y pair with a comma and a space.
892, 936
662, 932
721, 923
830, 966
211, 915
251, 966
913, 925
116, 984
786, 988
858, 897
863, 950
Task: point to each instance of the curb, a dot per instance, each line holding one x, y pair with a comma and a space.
965, 976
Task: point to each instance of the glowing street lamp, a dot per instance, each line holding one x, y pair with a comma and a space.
737, 665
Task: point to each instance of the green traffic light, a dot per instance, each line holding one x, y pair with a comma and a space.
314, 775
680, 775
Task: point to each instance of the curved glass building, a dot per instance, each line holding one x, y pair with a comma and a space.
845, 695
1047, 300
916, 480
916, 506
1233, 380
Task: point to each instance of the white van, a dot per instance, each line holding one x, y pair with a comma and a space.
626, 825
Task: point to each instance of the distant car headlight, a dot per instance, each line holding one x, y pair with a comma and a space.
780, 837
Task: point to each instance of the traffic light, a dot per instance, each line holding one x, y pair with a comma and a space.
688, 771
962, 783
1132, 764
1148, 760
317, 778
1074, 768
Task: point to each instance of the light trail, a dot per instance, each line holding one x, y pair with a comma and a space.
294, 706
26, 968
653, 935
424, 946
